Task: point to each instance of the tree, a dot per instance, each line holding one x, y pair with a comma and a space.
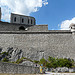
43, 61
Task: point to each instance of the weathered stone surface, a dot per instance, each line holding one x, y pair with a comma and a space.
28, 63
63, 69
13, 54
4, 26
18, 69
22, 19
36, 45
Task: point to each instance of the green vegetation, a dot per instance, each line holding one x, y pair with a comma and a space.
5, 53
43, 61
55, 62
51, 62
35, 61
5, 60
21, 60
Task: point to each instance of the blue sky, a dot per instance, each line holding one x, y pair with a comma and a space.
58, 14
55, 13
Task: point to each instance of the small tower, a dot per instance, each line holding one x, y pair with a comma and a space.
72, 27
0, 13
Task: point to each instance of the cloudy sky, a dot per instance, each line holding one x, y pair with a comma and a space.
58, 14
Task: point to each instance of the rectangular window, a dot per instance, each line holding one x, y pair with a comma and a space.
22, 20
15, 19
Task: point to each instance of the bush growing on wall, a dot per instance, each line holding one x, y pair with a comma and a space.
55, 62
5, 60
51, 62
43, 61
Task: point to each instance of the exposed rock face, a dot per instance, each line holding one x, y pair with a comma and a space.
28, 63
11, 53
33, 45
15, 53
61, 69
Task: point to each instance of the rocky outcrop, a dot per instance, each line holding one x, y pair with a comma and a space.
13, 54
61, 69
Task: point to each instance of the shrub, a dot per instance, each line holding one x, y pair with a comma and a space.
35, 61
5, 60
5, 53
43, 61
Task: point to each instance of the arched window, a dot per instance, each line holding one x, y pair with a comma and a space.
28, 21
22, 20
31, 21
15, 19
21, 28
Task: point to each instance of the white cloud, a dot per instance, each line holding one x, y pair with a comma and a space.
20, 7
45, 2
65, 24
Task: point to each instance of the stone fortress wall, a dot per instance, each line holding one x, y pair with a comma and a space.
34, 44
17, 69
37, 41
4, 26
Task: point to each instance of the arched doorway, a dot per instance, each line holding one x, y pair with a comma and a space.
21, 28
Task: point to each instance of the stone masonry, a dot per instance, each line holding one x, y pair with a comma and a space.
54, 44
17, 69
0, 14
21, 19
36, 41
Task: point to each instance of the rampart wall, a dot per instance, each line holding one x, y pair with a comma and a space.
55, 44
17, 69
4, 26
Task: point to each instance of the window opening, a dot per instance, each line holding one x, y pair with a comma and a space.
34, 22
28, 21
31, 21
22, 20
15, 19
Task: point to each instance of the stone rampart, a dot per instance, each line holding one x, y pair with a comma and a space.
17, 69
4, 26
34, 44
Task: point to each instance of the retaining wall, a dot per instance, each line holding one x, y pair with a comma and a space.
17, 69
